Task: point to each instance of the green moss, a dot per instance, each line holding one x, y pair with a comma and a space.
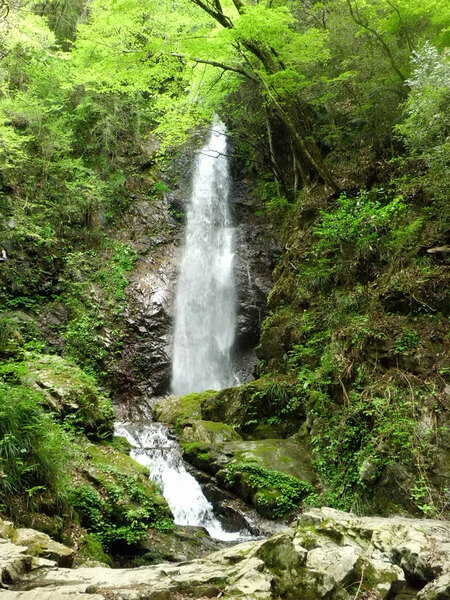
272, 402
197, 453
190, 405
92, 549
121, 444
116, 502
66, 390
274, 494
182, 410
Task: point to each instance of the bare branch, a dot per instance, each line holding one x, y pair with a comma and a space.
358, 20
216, 12
219, 65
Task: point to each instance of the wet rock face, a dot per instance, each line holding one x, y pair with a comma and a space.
145, 364
154, 228
256, 253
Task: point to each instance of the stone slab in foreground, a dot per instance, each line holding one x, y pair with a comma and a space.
326, 555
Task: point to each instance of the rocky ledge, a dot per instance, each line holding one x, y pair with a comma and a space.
326, 554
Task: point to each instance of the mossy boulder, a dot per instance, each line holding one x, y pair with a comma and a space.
266, 407
291, 456
116, 501
69, 392
181, 410
275, 495
208, 432
257, 471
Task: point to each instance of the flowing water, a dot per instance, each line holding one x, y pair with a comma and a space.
155, 449
205, 308
205, 318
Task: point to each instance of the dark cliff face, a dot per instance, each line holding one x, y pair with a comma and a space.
256, 254
155, 231
143, 367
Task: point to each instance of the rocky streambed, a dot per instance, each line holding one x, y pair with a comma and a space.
325, 554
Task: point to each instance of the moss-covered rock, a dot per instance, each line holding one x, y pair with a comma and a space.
116, 501
208, 432
291, 456
71, 393
181, 410
266, 407
273, 494
256, 471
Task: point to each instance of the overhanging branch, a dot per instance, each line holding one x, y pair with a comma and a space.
217, 64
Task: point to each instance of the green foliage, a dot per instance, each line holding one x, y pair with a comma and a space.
122, 515
406, 342
271, 402
378, 425
358, 223
91, 549
67, 388
280, 494
95, 296
34, 453
426, 127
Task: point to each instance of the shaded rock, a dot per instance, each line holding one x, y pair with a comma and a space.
40, 544
184, 543
52, 595
439, 589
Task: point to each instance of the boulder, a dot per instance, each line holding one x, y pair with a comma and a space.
40, 544
181, 410
291, 456
209, 432
70, 392
14, 562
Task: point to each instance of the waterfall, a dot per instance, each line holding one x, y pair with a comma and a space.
154, 448
205, 308
205, 318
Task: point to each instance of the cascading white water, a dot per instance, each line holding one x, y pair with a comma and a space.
154, 449
205, 309
205, 317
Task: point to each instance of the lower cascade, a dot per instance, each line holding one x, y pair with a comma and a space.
154, 448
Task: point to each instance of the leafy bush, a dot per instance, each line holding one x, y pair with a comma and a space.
426, 128
120, 517
357, 223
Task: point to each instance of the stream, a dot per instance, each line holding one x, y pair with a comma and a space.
155, 448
